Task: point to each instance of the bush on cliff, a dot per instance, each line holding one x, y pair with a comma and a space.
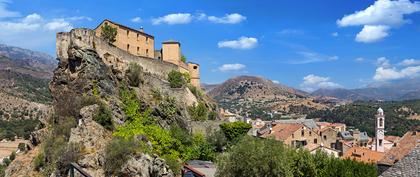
104, 116
117, 153
109, 33
198, 112
176, 79
134, 74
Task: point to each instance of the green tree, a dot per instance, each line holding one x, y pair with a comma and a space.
12, 156
183, 58
176, 79
198, 112
22, 147
117, 152
134, 74
109, 33
104, 116
235, 130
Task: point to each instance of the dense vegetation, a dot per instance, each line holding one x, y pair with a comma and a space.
361, 115
254, 157
19, 128
177, 80
28, 87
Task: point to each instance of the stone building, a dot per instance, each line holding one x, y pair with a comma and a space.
139, 43
294, 134
136, 42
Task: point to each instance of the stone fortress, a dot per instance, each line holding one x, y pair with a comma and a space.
142, 45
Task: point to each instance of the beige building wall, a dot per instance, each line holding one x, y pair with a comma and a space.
133, 41
303, 134
194, 70
171, 52
328, 137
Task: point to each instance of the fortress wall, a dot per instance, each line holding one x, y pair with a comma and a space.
111, 55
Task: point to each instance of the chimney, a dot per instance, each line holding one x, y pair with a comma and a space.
141, 29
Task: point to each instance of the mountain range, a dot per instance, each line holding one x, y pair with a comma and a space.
260, 97
406, 89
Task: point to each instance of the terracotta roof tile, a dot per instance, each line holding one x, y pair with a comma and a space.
282, 131
404, 146
363, 154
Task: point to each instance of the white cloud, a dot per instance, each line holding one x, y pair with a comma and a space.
359, 59
409, 62
78, 18
4, 12
384, 74
231, 67
173, 19
386, 71
378, 18
291, 32
275, 81
383, 62
313, 57
312, 82
136, 20
233, 18
58, 25
241, 43
371, 33
334, 34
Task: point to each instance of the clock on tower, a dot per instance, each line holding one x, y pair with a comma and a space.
380, 130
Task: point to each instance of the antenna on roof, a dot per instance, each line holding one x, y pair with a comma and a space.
141, 29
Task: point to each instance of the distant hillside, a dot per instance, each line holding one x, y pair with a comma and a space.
400, 116
256, 96
398, 90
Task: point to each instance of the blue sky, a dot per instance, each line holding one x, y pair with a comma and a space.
305, 44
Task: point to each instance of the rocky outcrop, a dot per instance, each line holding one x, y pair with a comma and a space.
146, 166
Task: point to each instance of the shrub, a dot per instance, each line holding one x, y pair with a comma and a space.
104, 116
71, 154
176, 79
198, 112
173, 163
117, 153
168, 107
183, 58
156, 95
218, 140
39, 161
22, 147
109, 33
134, 74
7, 161
196, 91
212, 115
235, 130
12, 156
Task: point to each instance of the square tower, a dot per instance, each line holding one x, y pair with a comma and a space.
380, 131
171, 52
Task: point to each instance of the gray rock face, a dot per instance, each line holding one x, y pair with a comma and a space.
146, 166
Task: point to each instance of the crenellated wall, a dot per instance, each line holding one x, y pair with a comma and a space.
86, 39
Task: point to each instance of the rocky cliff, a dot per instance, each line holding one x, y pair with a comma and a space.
89, 72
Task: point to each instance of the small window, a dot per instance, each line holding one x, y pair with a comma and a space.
147, 52
195, 67
128, 32
302, 132
325, 137
147, 40
380, 142
315, 141
381, 122
128, 47
106, 23
138, 50
293, 135
310, 133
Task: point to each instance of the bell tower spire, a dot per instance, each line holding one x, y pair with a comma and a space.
380, 131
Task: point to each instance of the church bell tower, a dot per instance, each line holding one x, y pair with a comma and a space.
380, 130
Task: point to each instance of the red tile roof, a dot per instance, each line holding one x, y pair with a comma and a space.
282, 131
404, 146
363, 154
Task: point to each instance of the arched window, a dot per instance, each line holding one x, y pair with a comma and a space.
381, 122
